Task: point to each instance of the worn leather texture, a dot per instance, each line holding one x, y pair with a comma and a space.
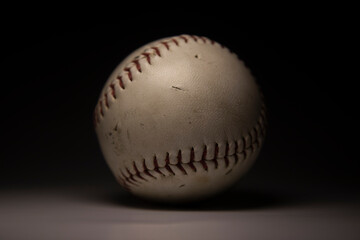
172, 106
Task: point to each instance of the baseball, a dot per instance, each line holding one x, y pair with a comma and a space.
180, 119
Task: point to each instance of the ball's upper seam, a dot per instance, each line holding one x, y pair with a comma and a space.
134, 65
130, 176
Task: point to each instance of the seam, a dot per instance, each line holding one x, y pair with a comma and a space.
127, 73
131, 176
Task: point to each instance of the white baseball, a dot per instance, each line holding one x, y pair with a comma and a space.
180, 119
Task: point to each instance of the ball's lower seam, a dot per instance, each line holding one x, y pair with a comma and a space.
131, 176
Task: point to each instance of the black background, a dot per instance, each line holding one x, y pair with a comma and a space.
52, 77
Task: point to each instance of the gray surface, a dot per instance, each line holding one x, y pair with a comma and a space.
90, 213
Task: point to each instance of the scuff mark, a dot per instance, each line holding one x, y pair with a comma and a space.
116, 127
228, 172
182, 185
177, 88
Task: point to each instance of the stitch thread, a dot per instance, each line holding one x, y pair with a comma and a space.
146, 170
121, 84
106, 101
136, 63
112, 87
248, 144
148, 59
184, 38
157, 51
166, 45
128, 70
175, 41
194, 37
202, 38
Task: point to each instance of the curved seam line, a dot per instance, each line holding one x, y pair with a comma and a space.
99, 108
254, 144
131, 180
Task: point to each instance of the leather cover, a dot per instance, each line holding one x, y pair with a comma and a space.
167, 105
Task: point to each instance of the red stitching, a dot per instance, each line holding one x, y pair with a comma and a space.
253, 145
227, 149
167, 158
226, 154
157, 166
167, 164
216, 150
175, 41
169, 169
146, 170
157, 51
194, 37
192, 155
128, 171
120, 82
112, 87
131, 175
192, 160
204, 39
244, 146
138, 173
166, 45
216, 162
137, 64
184, 38
106, 100
128, 70
191, 164
181, 168
179, 157
131, 180
236, 150
204, 165
128, 179
147, 55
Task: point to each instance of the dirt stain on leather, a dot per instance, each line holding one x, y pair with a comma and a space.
116, 138
178, 88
